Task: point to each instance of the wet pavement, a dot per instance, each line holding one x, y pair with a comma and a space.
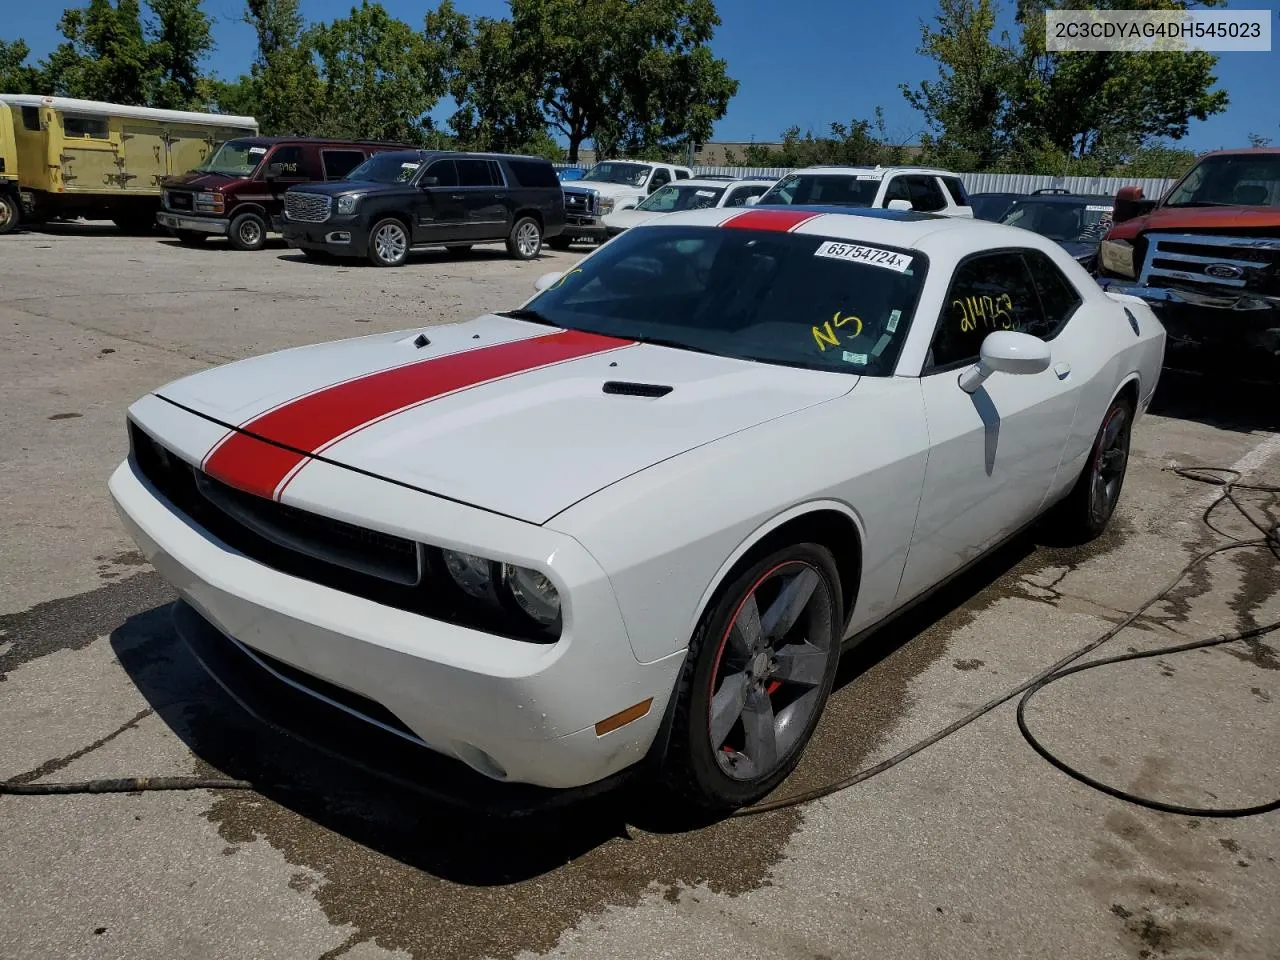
974, 848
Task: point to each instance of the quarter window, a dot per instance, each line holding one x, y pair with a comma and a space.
1058, 298
988, 293
533, 173
338, 163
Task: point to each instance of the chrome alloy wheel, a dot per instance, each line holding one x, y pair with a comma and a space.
1109, 462
528, 239
767, 681
391, 243
250, 232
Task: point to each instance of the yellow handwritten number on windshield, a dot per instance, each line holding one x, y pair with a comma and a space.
826, 336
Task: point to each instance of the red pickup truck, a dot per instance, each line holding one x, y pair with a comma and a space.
1206, 257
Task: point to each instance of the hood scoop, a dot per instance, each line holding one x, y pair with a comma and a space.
627, 388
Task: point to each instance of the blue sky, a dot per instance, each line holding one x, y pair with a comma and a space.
805, 63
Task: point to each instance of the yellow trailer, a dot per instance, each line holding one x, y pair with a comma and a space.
67, 158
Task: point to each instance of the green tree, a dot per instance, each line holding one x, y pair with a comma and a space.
16, 75
622, 73
282, 89
857, 143
380, 77
105, 55
181, 38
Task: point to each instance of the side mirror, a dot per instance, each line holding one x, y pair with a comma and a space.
274, 170
546, 280
429, 182
752, 201
1130, 203
1006, 351
900, 205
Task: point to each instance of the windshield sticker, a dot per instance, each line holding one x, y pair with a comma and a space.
1099, 209
894, 317
872, 256
859, 358
705, 193
257, 151
410, 166
869, 176
826, 336
985, 311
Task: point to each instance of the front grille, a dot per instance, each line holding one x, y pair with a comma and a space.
579, 201
178, 200
306, 207
377, 566
1213, 264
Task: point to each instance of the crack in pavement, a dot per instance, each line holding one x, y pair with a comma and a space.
60, 763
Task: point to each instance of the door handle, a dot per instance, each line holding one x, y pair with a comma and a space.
458, 196
1063, 370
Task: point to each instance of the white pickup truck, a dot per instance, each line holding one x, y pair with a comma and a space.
608, 186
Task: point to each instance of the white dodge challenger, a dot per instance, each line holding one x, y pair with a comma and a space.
639, 517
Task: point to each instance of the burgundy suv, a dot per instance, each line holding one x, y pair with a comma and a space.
238, 192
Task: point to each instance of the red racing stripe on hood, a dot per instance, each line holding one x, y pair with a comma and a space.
315, 421
781, 220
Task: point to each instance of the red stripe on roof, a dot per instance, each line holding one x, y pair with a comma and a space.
782, 220
315, 421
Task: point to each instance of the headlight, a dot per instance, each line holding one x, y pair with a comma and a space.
605, 205
209, 202
1116, 257
504, 585
348, 203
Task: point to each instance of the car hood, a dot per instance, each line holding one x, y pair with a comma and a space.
605, 189
202, 181
625, 219
1200, 218
514, 417
334, 188
1080, 248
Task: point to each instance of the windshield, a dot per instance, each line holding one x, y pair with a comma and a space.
386, 168
1250, 180
990, 207
630, 174
235, 158
681, 197
782, 298
838, 189
1065, 221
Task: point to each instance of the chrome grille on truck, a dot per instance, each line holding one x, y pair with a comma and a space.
579, 201
306, 207
1243, 263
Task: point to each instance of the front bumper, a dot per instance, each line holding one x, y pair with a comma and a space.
176, 221
513, 711
340, 236
584, 227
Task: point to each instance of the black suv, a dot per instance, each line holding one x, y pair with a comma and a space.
410, 198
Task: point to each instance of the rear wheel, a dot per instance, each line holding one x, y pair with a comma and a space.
525, 240
1088, 508
388, 243
10, 213
758, 674
248, 231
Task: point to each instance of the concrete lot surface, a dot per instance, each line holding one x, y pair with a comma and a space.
975, 848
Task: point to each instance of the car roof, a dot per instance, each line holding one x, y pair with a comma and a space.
1068, 198
882, 171
713, 182
443, 154
327, 142
896, 228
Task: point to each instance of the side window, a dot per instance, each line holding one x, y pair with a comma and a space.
533, 173
682, 174
31, 118
740, 196
954, 187
989, 292
925, 194
897, 190
444, 173
474, 173
95, 127
1058, 298
338, 163
661, 178
291, 163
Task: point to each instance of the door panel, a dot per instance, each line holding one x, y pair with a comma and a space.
439, 212
486, 215
145, 161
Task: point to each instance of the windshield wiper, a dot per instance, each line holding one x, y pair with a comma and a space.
524, 313
676, 344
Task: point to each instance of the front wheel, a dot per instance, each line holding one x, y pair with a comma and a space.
248, 231
10, 213
757, 677
1088, 508
388, 243
525, 240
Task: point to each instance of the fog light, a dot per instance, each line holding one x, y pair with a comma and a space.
338, 236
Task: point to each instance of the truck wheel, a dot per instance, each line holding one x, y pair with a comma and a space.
559, 243
388, 243
190, 238
10, 213
248, 232
525, 240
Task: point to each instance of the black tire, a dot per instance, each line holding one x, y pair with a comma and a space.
10, 213
1085, 512
385, 250
248, 231
524, 242
560, 243
694, 769
190, 238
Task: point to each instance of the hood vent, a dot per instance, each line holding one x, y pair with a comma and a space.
627, 389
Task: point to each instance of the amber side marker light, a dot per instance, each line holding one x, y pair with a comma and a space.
621, 719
